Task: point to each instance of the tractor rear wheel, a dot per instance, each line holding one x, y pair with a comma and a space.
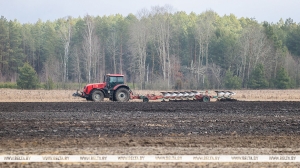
122, 95
97, 96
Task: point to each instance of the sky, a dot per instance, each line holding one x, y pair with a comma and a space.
29, 11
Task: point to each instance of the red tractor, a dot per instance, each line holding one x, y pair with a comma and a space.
113, 88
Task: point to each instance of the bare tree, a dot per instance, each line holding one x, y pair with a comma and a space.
52, 69
77, 69
204, 32
291, 64
91, 48
161, 31
65, 31
254, 48
87, 45
216, 71
139, 36
113, 48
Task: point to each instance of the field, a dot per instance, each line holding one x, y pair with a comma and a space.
54, 122
14, 95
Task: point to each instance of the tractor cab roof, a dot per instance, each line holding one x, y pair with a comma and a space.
114, 75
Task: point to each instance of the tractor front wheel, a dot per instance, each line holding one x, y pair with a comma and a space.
97, 96
122, 95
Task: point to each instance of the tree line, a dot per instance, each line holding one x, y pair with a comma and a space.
155, 49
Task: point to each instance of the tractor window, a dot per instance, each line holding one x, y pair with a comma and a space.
115, 80
120, 80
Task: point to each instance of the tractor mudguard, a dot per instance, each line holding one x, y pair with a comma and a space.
117, 86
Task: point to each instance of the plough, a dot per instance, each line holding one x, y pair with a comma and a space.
225, 96
202, 96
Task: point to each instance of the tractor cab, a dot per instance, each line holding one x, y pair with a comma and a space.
113, 80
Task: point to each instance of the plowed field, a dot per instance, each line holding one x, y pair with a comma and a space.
150, 128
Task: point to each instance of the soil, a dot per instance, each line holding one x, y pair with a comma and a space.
183, 128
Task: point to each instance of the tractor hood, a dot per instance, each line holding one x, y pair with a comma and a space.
91, 86
96, 85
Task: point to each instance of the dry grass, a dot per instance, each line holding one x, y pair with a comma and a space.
14, 95
268, 95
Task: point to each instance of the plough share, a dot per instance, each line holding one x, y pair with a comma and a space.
202, 96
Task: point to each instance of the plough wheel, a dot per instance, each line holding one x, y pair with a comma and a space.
206, 99
145, 99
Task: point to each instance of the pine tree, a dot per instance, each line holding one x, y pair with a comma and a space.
257, 79
232, 81
282, 80
28, 78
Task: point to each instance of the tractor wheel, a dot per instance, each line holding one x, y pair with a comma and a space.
145, 99
206, 99
97, 96
122, 95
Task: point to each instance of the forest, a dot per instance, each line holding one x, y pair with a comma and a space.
157, 48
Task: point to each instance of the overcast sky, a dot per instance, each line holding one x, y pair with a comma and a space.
29, 11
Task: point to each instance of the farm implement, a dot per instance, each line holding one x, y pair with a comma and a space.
114, 88
177, 96
225, 96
